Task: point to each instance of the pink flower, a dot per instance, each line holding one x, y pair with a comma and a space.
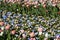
54, 4
51, 0
1, 30
41, 1
44, 5
27, 5
1, 23
40, 29
32, 34
24, 36
7, 27
22, 31
23, 5
6, 0
10, 0
36, 2
13, 32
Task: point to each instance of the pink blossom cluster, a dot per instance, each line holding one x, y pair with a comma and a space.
34, 2
12, 1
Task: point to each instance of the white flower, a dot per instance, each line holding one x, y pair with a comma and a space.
2, 28
16, 35
40, 33
24, 36
17, 9
40, 19
35, 6
1, 33
53, 4
45, 38
46, 35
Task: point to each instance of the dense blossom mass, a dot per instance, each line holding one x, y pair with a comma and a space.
35, 2
30, 20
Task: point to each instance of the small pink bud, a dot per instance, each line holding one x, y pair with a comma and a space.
0, 30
